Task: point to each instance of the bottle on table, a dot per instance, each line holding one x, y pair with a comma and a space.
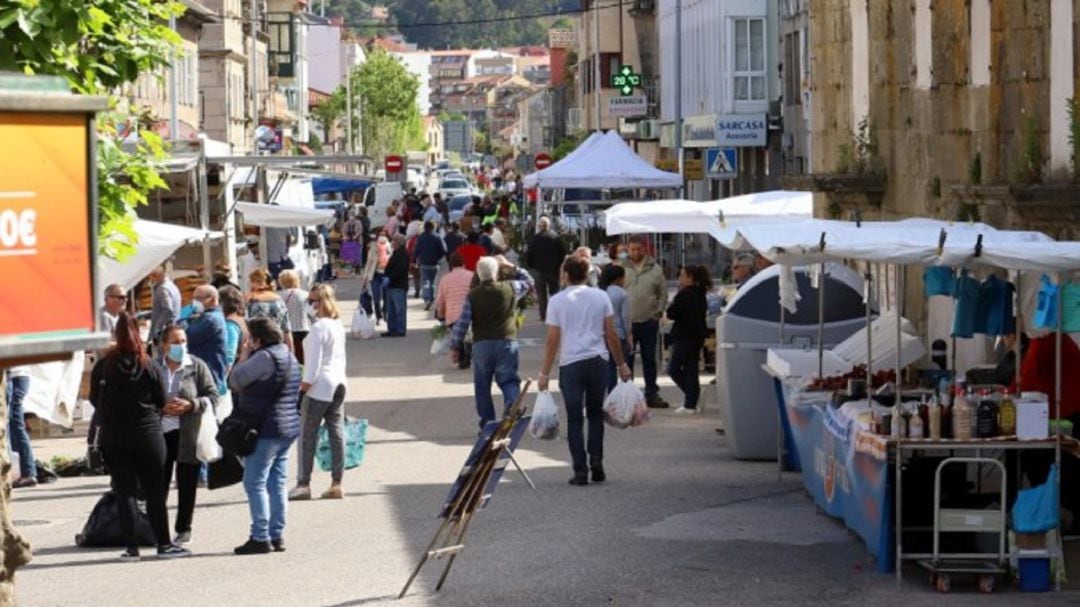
934, 419
986, 416
962, 417
1007, 415
915, 427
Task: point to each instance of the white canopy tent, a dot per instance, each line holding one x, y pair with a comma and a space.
276, 216
690, 217
157, 243
602, 162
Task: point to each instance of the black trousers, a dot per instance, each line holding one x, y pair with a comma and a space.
683, 369
187, 482
547, 285
137, 460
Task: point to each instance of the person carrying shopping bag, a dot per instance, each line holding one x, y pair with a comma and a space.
324, 393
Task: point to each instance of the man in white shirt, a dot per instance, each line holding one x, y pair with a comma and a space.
581, 328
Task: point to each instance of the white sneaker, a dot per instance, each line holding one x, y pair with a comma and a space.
300, 494
685, 411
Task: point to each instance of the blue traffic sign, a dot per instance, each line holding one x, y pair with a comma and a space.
722, 163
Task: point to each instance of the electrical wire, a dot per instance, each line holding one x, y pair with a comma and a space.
507, 19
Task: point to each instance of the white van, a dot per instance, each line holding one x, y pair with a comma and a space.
378, 198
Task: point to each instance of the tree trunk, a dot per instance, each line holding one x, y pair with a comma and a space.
16, 549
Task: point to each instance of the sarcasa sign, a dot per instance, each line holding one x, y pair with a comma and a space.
742, 130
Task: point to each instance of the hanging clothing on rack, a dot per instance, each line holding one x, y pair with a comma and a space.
994, 307
966, 294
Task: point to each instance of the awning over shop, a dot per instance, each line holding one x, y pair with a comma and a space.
276, 216
157, 243
332, 185
690, 217
603, 162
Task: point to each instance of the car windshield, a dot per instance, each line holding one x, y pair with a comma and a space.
458, 203
455, 184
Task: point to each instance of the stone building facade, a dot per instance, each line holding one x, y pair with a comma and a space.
963, 106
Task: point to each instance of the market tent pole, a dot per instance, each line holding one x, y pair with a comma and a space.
898, 282
1057, 408
821, 314
1017, 318
779, 418
869, 278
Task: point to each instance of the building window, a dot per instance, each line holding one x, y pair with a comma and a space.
792, 69
749, 73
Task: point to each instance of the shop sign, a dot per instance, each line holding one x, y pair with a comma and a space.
699, 131
693, 168
628, 107
742, 130
47, 241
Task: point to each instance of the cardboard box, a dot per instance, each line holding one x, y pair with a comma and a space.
1031, 541
1032, 419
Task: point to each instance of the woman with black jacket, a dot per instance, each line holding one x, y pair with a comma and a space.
128, 398
688, 312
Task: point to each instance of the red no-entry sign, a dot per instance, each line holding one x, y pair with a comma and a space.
394, 164
542, 161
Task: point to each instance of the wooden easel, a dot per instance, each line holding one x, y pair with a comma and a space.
468, 494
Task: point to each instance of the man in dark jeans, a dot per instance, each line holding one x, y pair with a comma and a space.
581, 329
397, 274
429, 251
544, 257
491, 310
648, 300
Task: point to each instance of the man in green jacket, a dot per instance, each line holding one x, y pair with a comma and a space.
648, 299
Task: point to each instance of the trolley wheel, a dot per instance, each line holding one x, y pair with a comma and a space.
943, 584
986, 584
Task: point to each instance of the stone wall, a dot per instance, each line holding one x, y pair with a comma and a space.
930, 138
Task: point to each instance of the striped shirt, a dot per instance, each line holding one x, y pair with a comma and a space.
453, 290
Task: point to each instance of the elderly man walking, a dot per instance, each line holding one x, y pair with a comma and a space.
648, 300
544, 257
491, 309
207, 334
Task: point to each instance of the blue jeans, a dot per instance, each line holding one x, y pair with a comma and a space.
427, 281
612, 369
395, 311
645, 334
376, 303
17, 387
583, 388
498, 360
265, 481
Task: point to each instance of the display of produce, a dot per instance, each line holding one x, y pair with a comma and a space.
840, 382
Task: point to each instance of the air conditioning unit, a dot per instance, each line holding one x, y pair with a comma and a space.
648, 129
573, 119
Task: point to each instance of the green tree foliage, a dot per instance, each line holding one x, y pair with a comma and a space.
386, 93
327, 114
98, 46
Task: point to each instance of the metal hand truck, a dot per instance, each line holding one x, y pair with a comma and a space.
985, 566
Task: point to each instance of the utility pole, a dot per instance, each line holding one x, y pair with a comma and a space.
596, 62
254, 72
174, 120
678, 97
348, 112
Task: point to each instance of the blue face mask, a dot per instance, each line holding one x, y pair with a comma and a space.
177, 352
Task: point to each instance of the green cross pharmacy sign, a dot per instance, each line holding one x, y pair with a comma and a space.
626, 81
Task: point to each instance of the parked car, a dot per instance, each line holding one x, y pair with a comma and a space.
457, 206
455, 187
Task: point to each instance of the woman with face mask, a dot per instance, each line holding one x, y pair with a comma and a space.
373, 280
324, 389
189, 390
128, 397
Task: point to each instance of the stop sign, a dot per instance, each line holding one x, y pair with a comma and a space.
394, 164
542, 161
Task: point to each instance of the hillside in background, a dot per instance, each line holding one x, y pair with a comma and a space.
484, 31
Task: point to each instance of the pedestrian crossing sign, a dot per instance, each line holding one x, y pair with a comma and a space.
722, 163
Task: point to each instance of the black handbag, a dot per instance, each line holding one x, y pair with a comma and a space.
103, 528
237, 434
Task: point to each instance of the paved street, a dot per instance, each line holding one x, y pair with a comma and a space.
679, 522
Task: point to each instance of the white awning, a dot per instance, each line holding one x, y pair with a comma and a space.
276, 216
603, 162
690, 217
157, 243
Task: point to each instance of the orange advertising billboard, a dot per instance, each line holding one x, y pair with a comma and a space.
46, 239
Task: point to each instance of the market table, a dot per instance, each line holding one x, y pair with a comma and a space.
855, 475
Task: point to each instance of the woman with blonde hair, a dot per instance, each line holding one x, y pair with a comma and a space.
324, 388
263, 302
295, 300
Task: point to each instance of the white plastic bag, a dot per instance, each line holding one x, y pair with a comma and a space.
362, 327
207, 448
545, 417
621, 404
440, 346
224, 407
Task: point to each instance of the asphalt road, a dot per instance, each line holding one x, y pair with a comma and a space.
679, 522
